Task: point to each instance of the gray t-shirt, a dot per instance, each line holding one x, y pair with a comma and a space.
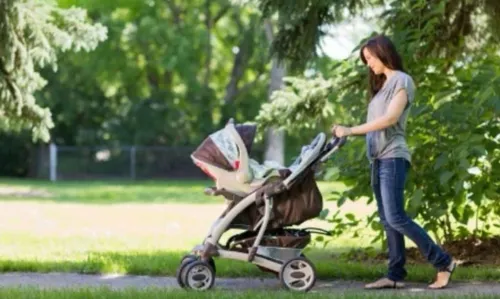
390, 142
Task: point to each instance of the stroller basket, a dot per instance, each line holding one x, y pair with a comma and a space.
279, 244
283, 237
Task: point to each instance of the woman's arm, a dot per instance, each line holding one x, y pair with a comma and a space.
394, 111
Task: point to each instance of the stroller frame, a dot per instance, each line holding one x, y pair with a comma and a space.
197, 269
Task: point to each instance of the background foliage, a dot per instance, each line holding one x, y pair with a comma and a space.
454, 186
169, 72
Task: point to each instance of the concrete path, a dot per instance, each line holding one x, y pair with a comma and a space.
71, 280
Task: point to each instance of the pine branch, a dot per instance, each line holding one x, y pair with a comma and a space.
32, 33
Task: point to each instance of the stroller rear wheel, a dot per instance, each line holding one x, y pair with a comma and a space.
298, 274
277, 274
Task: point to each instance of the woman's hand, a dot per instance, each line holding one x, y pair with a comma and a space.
340, 131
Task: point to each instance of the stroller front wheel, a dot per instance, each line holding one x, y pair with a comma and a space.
197, 275
180, 273
189, 258
192, 257
185, 261
298, 274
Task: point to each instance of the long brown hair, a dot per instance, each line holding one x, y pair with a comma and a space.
383, 48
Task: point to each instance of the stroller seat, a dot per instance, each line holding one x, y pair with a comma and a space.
224, 156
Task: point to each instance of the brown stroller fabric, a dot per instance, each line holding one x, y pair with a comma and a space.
292, 207
209, 153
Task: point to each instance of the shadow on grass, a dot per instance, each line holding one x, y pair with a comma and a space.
165, 263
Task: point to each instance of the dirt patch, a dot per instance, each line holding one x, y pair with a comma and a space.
6, 191
469, 251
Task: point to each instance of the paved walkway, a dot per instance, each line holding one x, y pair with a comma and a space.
71, 280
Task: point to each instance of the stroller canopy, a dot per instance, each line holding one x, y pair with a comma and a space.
220, 150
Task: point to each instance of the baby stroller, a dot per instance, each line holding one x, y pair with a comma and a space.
263, 200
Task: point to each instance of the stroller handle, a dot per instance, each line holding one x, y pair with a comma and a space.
332, 146
340, 141
324, 153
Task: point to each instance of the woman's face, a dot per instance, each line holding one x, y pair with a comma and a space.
373, 62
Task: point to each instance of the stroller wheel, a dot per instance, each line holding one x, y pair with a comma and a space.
186, 260
298, 274
198, 276
277, 274
189, 258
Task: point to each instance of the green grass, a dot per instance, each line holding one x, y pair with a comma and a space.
155, 293
113, 192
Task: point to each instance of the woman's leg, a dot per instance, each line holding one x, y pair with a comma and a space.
392, 180
395, 241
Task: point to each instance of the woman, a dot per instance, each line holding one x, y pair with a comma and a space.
392, 93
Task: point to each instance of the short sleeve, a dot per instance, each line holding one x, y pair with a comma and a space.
404, 81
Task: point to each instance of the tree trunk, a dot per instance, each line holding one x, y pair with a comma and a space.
208, 60
240, 64
275, 139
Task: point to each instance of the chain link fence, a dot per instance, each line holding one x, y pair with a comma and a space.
124, 162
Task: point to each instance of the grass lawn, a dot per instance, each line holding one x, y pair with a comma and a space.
109, 192
145, 228
31, 293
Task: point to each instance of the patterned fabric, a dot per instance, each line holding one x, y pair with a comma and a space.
228, 148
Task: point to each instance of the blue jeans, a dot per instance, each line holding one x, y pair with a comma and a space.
388, 180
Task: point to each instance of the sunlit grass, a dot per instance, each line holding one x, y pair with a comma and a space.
109, 192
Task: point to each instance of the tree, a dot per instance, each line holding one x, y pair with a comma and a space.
301, 25
32, 33
454, 126
162, 77
275, 139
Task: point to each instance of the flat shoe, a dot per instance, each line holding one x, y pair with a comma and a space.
451, 268
384, 283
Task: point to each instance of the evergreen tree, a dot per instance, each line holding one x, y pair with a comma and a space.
32, 32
